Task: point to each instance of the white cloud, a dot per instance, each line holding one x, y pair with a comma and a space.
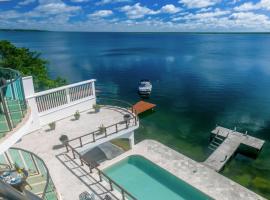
216, 13
249, 16
203, 15
79, 1
263, 4
102, 13
245, 7
102, 2
170, 8
198, 3
137, 11
26, 2
56, 8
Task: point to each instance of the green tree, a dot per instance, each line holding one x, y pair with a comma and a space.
28, 63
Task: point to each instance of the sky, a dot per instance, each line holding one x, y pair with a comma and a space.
141, 15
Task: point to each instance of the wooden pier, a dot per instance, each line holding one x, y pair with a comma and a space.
143, 106
225, 143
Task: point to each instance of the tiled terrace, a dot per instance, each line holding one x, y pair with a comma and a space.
45, 143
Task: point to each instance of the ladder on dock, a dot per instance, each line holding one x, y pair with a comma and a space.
215, 142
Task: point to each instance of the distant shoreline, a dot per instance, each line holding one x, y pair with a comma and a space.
180, 32
30, 30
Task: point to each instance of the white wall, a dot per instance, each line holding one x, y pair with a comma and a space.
29, 91
44, 118
66, 111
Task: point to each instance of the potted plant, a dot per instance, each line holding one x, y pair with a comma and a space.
96, 107
77, 115
101, 129
127, 118
52, 125
63, 138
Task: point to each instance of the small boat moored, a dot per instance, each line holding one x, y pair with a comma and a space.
145, 87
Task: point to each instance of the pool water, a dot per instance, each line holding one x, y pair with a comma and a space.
147, 181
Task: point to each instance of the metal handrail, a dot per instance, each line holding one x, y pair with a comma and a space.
134, 116
18, 75
13, 77
100, 172
6, 165
47, 170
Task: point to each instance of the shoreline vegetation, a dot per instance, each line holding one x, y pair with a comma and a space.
28, 63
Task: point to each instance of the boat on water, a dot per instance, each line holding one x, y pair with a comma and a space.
145, 87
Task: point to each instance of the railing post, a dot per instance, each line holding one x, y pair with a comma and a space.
99, 173
111, 185
81, 161
67, 148
80, 141
12, 88
105, 132
94, 139
126, 124
68, 95
116, 127
135, 120
23, 94
73, 154
35, 164
6, 111
90, 169
123, 194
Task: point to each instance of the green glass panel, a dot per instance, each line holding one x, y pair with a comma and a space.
2, 159
41, 167
30, 163
16, 158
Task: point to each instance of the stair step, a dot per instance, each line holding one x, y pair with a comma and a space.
211, 148
216, 143
213, 145
219, 138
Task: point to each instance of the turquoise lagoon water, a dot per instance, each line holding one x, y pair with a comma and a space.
199, 80
147, 181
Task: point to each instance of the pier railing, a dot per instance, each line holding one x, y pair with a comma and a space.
101, 175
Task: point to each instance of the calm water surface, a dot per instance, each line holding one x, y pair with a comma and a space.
199, 80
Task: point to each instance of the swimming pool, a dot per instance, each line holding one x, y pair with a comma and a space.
147, 181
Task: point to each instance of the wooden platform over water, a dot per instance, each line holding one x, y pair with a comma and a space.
231, 141
143, 106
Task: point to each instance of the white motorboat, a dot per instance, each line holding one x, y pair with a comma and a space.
145, 87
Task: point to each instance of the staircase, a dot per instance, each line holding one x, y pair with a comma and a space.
215, 142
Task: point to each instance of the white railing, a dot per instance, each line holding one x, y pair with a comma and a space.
58, 97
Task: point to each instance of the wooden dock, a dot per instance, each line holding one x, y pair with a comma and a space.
143, 106
225, 143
